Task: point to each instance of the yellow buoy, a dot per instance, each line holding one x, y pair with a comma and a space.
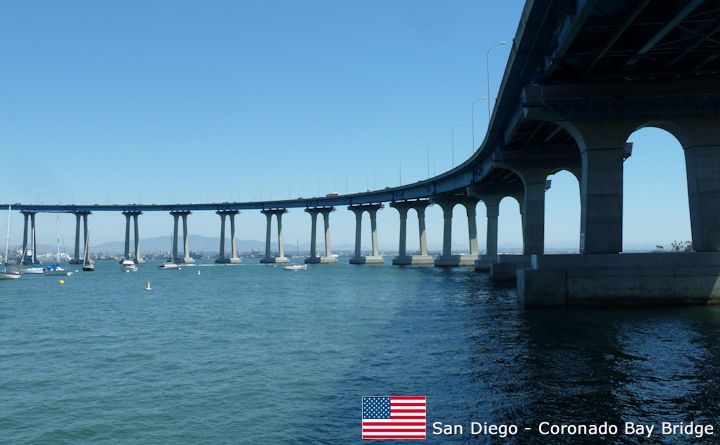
61, 281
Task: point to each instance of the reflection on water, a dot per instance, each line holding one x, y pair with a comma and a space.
252, 354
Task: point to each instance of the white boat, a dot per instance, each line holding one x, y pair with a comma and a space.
128, 266
169, 266
6, 274
295, 267
34, 270
54, 270
10, 274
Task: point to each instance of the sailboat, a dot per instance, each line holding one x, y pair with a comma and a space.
31, 255
88, 265
6, 274
55, 269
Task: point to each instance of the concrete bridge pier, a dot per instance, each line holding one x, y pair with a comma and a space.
29, 217
280, 258
403, 259
375, 257
447, 259
492, 212
600, 275
314, 258
186, 259
234, 258
138, 258
222, 258
132, 214
76, 254
80, 216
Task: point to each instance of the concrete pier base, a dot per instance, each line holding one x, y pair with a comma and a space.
621, 279
367, 259
413, 260
504, 268
236, 260
455, 260
274, 260
321, 260
483, 263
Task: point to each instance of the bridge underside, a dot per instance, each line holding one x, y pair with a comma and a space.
586, 75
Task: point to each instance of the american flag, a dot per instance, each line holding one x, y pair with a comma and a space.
394, 417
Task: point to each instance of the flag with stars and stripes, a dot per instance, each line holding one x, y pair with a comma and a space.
393, 417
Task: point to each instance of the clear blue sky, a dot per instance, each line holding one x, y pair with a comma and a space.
161, 101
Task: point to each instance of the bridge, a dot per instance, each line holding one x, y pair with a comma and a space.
581, 77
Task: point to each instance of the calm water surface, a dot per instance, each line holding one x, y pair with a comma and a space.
255, 354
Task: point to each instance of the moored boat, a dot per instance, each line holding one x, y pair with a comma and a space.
54, 270
128, 266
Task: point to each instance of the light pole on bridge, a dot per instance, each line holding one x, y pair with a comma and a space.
487, 67
428, 157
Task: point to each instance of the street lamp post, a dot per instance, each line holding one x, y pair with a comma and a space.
453, 142
487, 66
428, 157
472, 118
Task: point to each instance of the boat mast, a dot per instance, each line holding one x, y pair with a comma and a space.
57, 255
7, 241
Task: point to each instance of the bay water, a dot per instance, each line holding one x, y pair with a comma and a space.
255, 354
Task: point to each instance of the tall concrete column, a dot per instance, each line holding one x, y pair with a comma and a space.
602, 152
233, 240
76, 253
281, 244
447, 228
126, 254
373, 232
601, 200
313, 233
175, 258
491, 197
86, 238
421, 230
403, 208
136, 224
375, 257
34, 238
186, 245
326, 224
492, 211
358, 232
268, 215
470, 205
533, 213
26, 217
221, 256
314, 258
29, 237
702, 163
402, 248
281, 247
447, 259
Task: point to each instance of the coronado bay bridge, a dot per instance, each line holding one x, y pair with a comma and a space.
582, 75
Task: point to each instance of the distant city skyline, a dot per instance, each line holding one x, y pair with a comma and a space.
270, 100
